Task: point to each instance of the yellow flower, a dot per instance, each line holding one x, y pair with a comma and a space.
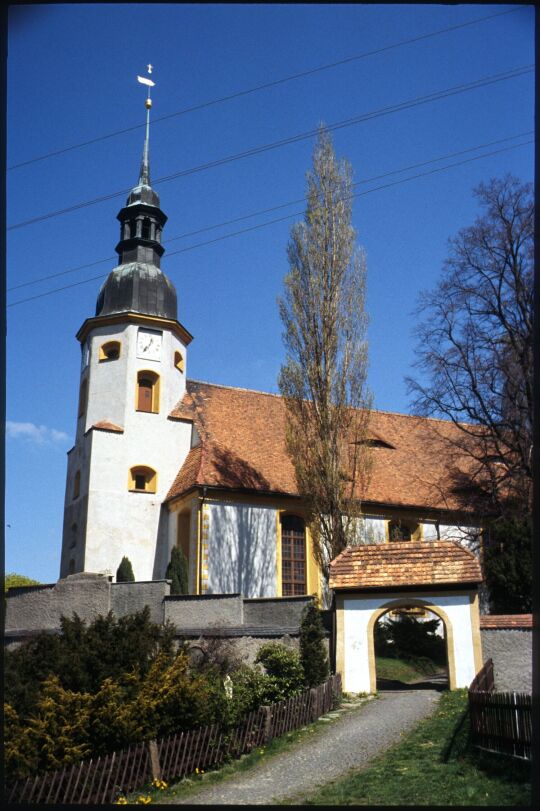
121, 801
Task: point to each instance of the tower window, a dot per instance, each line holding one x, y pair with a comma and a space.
179, 361
142, 479
145, 233
148, 392
83, 397
293, 555
109, 351
77, 485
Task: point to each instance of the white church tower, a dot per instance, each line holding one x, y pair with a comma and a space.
133, 372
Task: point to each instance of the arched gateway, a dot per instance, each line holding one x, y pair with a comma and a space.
368, 580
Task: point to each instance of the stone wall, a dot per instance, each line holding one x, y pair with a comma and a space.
127, 598
273, 612
246, 623
511, 652
204, 611
39, 608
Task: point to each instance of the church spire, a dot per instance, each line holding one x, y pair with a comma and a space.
138, 284
144, 175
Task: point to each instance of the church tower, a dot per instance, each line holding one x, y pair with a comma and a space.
127, 451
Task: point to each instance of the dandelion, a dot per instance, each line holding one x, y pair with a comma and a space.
121, 801
142, 800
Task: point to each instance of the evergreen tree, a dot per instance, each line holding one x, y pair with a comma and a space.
312, 648
508, 566
177, 572
124, 573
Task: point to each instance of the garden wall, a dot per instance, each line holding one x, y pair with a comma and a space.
247, 623
507, 640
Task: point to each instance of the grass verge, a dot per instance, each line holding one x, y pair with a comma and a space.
433, 765
399, 670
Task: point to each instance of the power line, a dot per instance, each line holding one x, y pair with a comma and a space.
419, 100
276, 208
282, 219
267, 85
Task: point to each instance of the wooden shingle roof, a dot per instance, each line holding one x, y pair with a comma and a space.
242, 434
406, 563
507, 621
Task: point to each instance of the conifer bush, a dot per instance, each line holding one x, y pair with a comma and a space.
313, 654
177, 571
124, 573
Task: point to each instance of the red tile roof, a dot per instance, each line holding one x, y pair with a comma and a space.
243, 436
406, 563
506, 621
107, 426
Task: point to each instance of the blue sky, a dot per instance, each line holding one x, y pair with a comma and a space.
72, 78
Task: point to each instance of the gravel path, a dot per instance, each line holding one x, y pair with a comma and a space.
347, 742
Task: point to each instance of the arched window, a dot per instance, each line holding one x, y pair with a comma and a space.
142, 479
77, 485
293, 555
145, 232
83, 397
109, 351
148, 392
179, 361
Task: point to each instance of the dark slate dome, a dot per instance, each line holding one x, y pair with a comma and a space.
139, 288
143, 193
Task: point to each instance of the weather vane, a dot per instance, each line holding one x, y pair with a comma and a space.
149, 83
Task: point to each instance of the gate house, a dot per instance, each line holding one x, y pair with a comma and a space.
370, 580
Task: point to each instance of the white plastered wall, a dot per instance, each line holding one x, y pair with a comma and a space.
120, 522
242, 542
357, 613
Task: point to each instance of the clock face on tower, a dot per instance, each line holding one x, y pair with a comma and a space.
149, 344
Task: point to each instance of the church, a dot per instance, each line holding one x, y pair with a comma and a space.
161, 461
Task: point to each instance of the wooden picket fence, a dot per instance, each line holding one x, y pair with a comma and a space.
101, 780
500, 722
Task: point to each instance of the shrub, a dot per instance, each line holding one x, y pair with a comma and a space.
313, 655
12, 579
285, 676
124, 573
177, 571
84, 656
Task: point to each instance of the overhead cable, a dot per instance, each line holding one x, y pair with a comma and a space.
281, 219
488, 80
268, 85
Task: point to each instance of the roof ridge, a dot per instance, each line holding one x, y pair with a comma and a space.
281, 397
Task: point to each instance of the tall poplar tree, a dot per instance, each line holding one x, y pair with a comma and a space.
323, 380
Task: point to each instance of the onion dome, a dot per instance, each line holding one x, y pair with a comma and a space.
140, 288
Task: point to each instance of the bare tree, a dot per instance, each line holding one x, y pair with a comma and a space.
323, 379
475, 347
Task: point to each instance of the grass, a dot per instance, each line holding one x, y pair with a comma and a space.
433, 765
397, 669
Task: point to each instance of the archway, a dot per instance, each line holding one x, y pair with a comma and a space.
370, 580
410, 648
